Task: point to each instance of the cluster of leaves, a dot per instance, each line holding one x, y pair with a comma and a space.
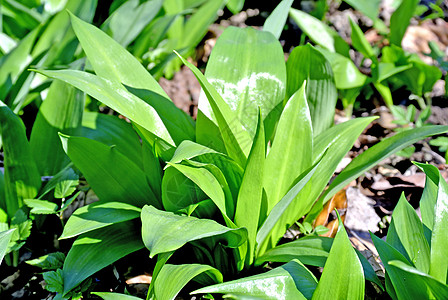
225, 188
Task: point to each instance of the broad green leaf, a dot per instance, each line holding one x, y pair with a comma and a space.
370, 8
406, 231
342, 277
319, 32
346, 74
359, 41
232, 171
113, 177
153, 34
311, 250
114, 296
172, 278
5, 237
110, 60
249, 203
438, 289
405, 285
377, 153
179, 192
178, 123
277, 19
189, 150
15, 62
197, 25
253, 77
153, 171
60, 112
280, 283
386, 70
235, 6
399, 21
164, 231
97, 249
439, 240
22, 179
279, 209
429, 197
98, 215
305, 63
335, 142
116, 97
41, 206
112, 131
235, 137
127, 22
207, 182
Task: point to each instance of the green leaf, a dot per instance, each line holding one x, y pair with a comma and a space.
172, 278
189, 150
249, 203
429, 197
253, 77
178, 123
399, 21
377, 153
207, 182
405, 285
285, 282
406, 231
5, 237
310, 250
153, 171
179, 192
114, 296
235, 6
342, 277
153, 34
277, 19
112, 131
54, 281
22, 179
15, 62
369, 8
235, 137
164, 231
107, 180
97, 249
110, 60
197, 25
60, 112
439, 240
39, 207
50, 261
98, 215
346, 74
127, 22
319, 32
305, 63
359, 41
279, 209
438, 289
115, 96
